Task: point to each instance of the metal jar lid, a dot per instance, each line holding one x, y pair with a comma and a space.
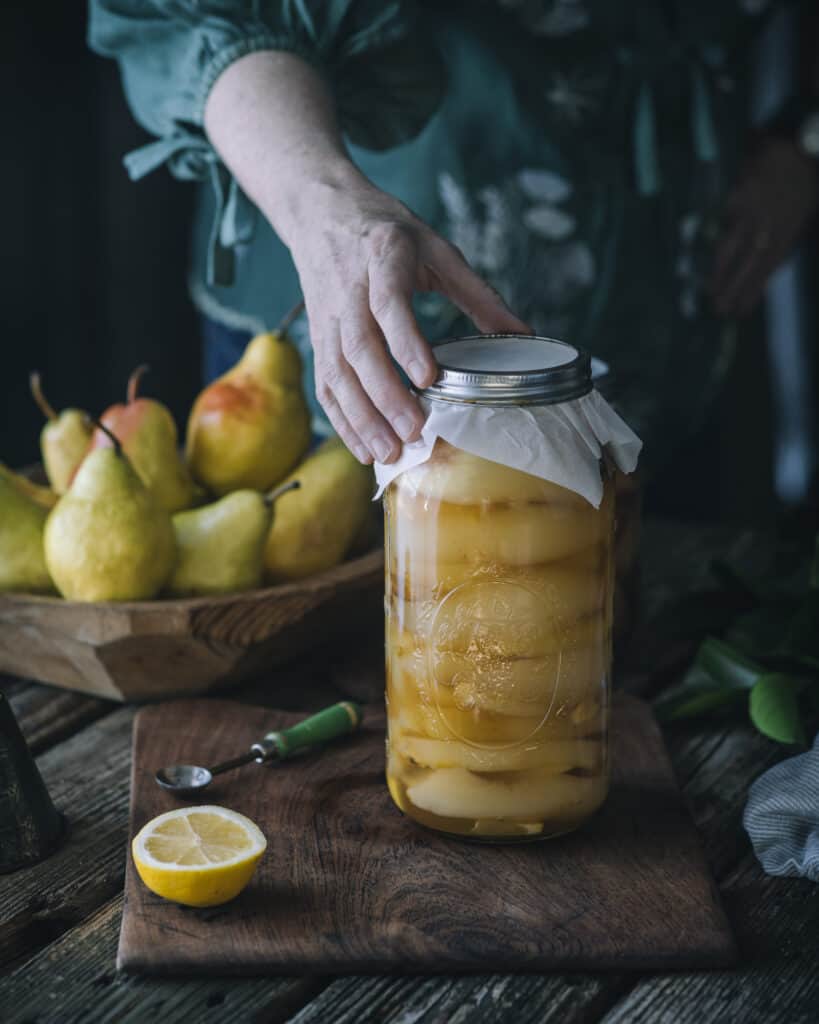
509, 369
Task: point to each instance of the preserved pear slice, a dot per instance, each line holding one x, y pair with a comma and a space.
457, 793
433, 580
522, 688
500, 620
514, 534
484, 728
551, 756
568, 592
456, 476
422, 710
536, 683
486, 634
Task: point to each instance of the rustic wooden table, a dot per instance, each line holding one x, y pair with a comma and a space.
59, 920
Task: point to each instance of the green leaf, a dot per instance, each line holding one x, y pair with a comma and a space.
719, 676
689, 704
774, 708
697, 693
728, 665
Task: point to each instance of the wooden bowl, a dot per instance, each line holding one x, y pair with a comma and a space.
150, 649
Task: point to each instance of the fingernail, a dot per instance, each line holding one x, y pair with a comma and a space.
404, 426
382, 448
362, 455
417, 373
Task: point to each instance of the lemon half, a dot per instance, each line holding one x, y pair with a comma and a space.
199, 856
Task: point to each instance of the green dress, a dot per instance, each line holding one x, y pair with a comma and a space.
577, 151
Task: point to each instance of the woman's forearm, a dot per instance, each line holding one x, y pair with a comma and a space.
360, 253
272, 120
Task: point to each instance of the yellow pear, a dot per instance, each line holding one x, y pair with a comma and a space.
251, 426
315, 526
148, 436
108, 539
43, 496
63, 440
22, 563
220, 546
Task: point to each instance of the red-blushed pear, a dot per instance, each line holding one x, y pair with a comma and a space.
147, 433
108, 538
250, 427
63, 440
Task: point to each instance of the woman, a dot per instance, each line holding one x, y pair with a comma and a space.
386, 160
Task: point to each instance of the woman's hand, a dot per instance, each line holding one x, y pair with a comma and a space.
361, 254
767, 212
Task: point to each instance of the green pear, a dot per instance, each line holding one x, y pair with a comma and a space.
64, 439
22, 519
315, 527
250, 427
43, 496
148, 435
220, 546
108, 539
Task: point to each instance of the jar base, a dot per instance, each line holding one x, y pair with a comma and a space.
486, 831
497, 840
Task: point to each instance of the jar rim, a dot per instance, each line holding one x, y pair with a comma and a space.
541, 385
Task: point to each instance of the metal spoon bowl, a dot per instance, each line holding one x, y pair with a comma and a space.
184, 779
188, 779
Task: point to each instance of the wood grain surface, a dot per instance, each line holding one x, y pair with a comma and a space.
349, 884
146, 650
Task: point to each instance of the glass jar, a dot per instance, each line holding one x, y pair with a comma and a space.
498, 608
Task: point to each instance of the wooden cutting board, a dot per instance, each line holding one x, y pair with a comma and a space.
348, 884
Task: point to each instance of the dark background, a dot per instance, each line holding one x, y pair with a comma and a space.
93, 265
94, 268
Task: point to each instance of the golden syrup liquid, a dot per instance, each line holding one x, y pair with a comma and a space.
498, 637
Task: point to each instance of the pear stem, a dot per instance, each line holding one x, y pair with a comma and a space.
288, 318
112, 437
277, 492
37, 391
134, 381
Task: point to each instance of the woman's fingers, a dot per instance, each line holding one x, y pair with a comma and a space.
470, 293
338, 387
344, 430
321, 337
392, 275
364, 348
356, 382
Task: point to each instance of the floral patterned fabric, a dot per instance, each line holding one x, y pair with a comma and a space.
578, 152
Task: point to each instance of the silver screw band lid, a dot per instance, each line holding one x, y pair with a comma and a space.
509, 369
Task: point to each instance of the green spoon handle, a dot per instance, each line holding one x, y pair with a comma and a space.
337, 720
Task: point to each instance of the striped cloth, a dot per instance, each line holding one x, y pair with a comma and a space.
782, 816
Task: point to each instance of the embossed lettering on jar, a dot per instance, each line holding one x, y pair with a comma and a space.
498, 607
